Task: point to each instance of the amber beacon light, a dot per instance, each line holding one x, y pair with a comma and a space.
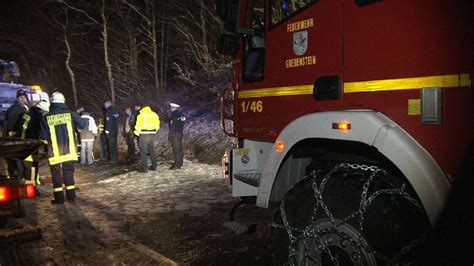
341, 126
280, 146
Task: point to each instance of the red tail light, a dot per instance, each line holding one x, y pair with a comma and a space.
5, 194
30, 191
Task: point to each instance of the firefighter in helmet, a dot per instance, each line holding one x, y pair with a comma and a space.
57, 128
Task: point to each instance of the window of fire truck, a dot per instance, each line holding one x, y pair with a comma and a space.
254, 55
282, 10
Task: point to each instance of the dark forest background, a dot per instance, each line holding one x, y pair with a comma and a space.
128, 51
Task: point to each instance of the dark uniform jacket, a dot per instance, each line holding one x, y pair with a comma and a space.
111, 121
57, 127
177, 122
33, 128
133, 119
15, 120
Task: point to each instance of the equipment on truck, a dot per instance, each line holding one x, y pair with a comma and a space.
353, 116
9, 74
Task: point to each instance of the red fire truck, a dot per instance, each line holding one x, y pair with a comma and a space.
355, 116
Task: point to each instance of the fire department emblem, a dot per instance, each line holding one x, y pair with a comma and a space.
300, 42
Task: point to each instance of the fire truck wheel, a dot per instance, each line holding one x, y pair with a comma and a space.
349, 215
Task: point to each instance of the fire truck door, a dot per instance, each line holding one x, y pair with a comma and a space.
304, 53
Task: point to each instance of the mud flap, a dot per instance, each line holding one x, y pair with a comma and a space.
240, 228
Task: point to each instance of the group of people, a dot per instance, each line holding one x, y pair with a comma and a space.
143, 125
55, 124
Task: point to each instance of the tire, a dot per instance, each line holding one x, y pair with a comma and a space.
349, 214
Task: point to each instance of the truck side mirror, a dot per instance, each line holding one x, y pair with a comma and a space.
228, 44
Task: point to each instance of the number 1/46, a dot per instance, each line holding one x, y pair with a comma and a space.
252, 106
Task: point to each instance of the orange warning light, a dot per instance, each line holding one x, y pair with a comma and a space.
280, 146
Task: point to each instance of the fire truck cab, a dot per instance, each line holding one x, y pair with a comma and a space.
355, 116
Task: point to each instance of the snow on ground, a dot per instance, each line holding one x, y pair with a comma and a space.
163, 217
161, 191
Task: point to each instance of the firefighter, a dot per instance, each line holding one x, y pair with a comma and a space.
36, 113
111, 130
146, 126
57, 128
17, 119
176, 135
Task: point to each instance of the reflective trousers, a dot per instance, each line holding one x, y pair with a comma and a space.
63, 172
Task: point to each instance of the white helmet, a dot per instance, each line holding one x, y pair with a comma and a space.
58, 97
43, 105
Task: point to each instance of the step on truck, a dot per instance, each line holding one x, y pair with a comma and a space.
353, 116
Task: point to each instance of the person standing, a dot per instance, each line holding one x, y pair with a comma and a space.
176, 135
133, 121
57, 128
17, 121
146, 126
102, 140
33, 128
87, 138
128, 134
111, 130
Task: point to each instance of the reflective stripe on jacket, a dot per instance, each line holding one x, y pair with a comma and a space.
57, 128
148, 122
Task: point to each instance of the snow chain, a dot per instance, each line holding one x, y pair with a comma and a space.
296, 235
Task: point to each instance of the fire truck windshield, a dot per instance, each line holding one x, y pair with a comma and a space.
283, 10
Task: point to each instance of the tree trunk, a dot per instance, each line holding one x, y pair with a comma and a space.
72, 76
106, 53
162, 74
155, 53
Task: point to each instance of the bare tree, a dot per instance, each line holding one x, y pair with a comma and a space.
192, 24
105, 40
148, 29
68, 58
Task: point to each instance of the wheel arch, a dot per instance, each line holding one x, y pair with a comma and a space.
373, 136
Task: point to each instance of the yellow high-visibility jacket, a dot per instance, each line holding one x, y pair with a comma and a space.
148, 122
